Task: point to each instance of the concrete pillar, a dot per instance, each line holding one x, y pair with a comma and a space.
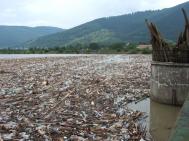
169, 82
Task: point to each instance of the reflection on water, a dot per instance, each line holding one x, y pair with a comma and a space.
161, 118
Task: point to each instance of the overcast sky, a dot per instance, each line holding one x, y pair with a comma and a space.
70, 13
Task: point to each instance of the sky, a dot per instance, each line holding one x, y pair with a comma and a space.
69, 13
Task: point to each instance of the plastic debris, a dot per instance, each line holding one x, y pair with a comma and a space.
73, 97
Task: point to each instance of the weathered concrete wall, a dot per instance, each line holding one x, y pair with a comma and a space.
169, 82
181, 130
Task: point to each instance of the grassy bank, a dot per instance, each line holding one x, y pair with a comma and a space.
116, 48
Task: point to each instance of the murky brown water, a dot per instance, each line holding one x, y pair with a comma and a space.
161, 118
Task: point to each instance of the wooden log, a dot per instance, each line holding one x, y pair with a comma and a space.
186, 32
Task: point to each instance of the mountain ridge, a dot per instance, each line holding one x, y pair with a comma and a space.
13, 36
122, 28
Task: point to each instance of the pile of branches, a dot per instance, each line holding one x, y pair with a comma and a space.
163, 52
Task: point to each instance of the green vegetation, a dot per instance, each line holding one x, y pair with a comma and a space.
13, 36
110, 30
126, 28
92, 48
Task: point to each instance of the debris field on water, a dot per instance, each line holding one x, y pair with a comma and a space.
77, 98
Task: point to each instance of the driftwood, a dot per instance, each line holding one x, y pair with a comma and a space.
163, 52
74, 98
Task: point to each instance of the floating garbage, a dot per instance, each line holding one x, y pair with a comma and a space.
77, 98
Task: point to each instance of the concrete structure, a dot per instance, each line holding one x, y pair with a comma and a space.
181, 131
169, 82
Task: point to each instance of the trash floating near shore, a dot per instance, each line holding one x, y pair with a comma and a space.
73, 97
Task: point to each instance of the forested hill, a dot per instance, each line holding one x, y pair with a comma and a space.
13, 36
124, 28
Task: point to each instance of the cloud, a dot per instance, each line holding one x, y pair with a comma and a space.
69, 13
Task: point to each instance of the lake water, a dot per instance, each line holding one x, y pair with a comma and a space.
161, 118
19, 56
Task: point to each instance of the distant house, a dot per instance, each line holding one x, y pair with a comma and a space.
144, 46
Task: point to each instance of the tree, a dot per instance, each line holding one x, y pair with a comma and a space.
94, 46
